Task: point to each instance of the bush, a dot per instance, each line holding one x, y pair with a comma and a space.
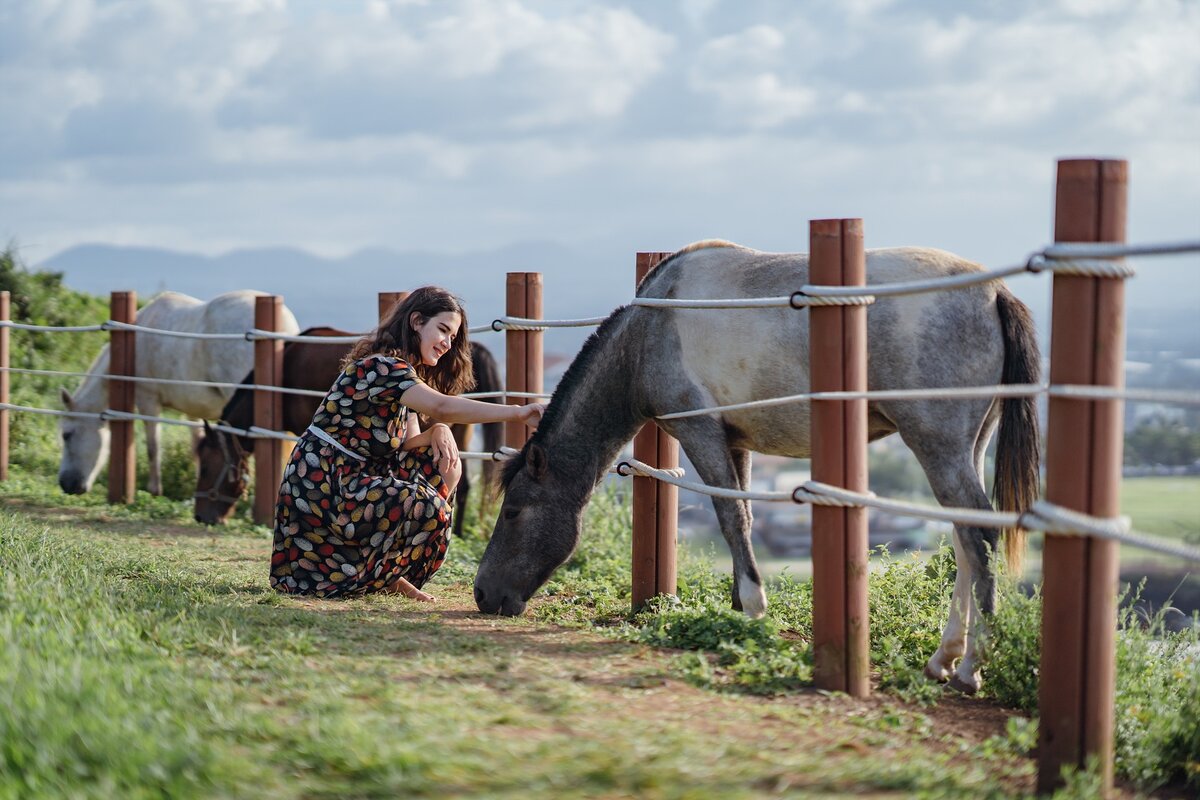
39, 298
750, 654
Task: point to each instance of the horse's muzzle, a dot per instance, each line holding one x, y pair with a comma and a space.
502, 603
72, 483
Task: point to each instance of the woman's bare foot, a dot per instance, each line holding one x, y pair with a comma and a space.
401, 586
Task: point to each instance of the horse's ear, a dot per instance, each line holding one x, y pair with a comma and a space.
536, 461
66, 399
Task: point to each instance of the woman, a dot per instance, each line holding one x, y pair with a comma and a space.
364, 505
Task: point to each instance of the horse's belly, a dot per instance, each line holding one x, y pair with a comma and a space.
780, 431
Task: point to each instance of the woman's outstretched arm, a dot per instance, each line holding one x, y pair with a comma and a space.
450, 409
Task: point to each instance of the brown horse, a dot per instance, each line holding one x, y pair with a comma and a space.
222, 475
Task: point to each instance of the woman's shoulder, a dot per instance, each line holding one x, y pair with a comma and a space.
379, 364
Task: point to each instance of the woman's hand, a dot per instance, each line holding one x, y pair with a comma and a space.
531, 414
443, 448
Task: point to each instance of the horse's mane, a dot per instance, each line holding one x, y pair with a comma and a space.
566, 387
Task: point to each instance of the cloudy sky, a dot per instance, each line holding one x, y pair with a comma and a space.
465, 125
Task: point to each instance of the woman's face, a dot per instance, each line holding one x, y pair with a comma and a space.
436, 334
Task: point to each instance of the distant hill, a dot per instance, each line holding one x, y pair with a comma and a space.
342, 291
1163, 300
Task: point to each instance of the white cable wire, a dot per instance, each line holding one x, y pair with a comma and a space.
749, 302
169, 381
1183, 397
956, 393
50, 412
113, 325
256, 334
1090, 250
1165, 396
20, 326
523, 395
1041, 516
530, 324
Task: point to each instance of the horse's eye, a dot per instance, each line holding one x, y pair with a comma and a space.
67, 436
510, 514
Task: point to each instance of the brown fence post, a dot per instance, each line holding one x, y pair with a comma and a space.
655, 504
522, 349
1083, 472
838, 352
268, 409
122, 360
5, 316
388, 301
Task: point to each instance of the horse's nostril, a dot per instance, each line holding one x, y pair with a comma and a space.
479, 595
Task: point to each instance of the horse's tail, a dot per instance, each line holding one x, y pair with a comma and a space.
1018, 443
487, 379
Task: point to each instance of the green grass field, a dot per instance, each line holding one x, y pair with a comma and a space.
142, 655
1168, 507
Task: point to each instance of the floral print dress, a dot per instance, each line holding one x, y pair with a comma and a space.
355, 512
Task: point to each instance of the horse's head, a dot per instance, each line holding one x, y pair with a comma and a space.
536, 532
85, 449
221, 475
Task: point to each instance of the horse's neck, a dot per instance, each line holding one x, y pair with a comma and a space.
599, 418
239, 412
92, 395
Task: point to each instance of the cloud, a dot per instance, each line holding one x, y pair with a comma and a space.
478, 123
739, 71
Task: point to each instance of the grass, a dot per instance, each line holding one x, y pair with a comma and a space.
161, 665
142, 655
1168, 507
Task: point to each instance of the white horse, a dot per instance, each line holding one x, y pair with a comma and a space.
85, 441
645, 362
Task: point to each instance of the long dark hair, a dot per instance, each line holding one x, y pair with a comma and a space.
395, 337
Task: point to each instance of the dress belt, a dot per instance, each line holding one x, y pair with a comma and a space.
325, 437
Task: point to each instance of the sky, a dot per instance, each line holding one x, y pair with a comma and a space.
465, 125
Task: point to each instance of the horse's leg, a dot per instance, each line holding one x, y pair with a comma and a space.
958, 638
741, 463
149, 405
945, 445
462, 437
718, 464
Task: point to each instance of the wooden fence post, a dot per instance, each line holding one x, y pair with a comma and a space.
655, 504
838, 353
5, 316
523, 349
268, 408
388, 301
1083, 472
122, 360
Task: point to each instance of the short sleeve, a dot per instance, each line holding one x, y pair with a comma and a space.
383, 379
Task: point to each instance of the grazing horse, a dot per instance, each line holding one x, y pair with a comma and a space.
85, 441
644, 362
312, 365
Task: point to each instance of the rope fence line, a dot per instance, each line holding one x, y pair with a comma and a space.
1041, 516
168, 381
1165, 396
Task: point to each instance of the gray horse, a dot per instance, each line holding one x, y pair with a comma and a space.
644, 362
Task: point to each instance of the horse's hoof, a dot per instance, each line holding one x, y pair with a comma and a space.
941, 675
959, 685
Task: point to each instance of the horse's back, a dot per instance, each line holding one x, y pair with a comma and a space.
217, 360
728, 356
